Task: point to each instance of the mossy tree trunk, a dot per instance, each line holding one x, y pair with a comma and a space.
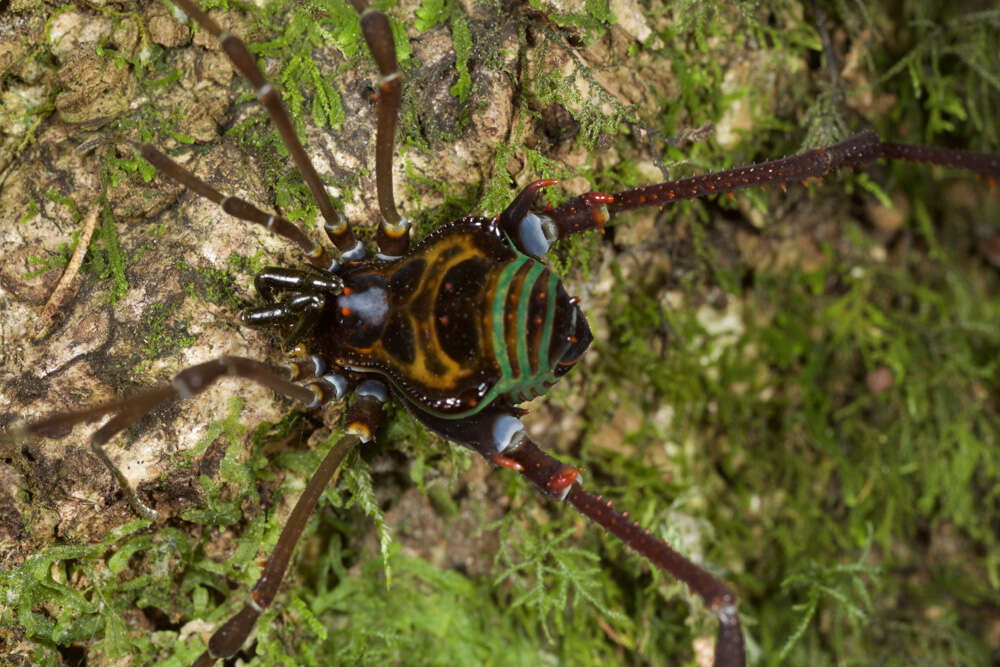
797, 388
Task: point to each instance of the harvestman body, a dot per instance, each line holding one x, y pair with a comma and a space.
460, 328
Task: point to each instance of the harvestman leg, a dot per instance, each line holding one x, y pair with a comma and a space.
237, 207
336, 226
592, 210
559, 481
534, 234
393, 230
189, 382
362, 420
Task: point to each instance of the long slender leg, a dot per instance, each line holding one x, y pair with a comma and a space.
592, 210
558, 480
239, 208
190, 381
498, 434
393, 230
336, 226
362, 420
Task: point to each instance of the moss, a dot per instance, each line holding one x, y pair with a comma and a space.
160, 340
796, 388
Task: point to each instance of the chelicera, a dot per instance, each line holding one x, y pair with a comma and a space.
461, 328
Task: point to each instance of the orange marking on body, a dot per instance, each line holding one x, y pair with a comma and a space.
563, 479
731, 196
505, 462
447, 287
345, 311
783, 187
348, 291
443, 319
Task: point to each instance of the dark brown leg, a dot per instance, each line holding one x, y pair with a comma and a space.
240, 208
393, 230
190, 381
558, 480
592, 210
336, 226
362, 420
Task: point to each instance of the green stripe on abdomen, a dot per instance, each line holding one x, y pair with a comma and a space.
550, 312
521, 323
504, 281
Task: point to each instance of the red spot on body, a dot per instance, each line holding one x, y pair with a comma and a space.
443, 319
348, 291
345, 311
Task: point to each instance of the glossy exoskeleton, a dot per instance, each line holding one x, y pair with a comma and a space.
461, 328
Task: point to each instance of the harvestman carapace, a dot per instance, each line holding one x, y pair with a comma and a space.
460, 328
